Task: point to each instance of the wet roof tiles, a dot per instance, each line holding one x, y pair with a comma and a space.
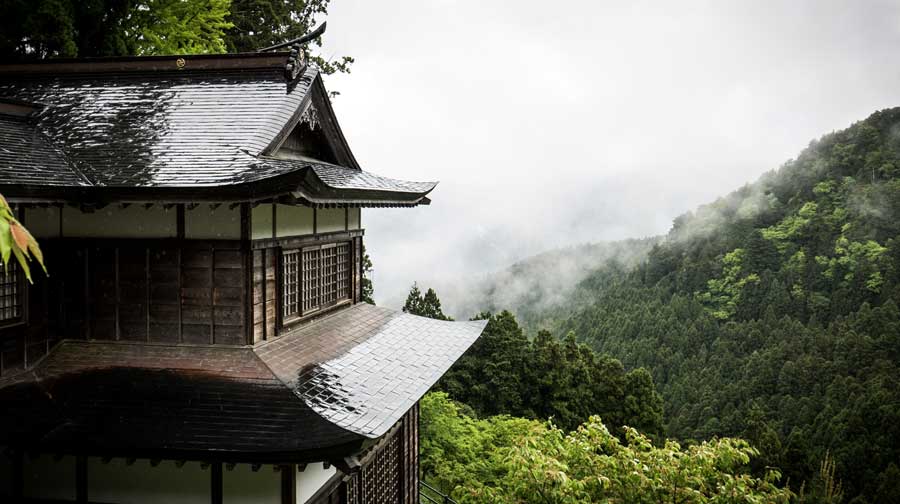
326, 387
142, 130
148, 127
364, 367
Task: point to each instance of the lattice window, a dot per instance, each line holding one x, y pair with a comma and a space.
10, 293
320, 276
312, 279
342, 271
381, 476
291, 282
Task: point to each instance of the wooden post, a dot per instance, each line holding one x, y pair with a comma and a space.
247, 256
147, 293
18, 474
215, 479
265, 306
212, 295
289, 484
81, 479
117, 295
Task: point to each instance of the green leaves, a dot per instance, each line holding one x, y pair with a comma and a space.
15, 240
503, 460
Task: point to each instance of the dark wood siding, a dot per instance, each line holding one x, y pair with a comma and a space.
165, 291
264, 293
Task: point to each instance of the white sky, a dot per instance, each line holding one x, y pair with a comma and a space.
554, 123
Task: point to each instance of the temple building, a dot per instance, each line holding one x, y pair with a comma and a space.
201, 336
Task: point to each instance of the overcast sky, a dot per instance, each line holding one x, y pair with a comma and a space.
555, 123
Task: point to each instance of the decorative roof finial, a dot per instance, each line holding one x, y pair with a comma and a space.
296, 62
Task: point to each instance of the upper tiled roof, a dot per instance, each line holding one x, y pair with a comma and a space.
27, 156
141, 124
167, 129
342, 178
319, 391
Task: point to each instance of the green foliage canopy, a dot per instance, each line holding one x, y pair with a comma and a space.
505, 459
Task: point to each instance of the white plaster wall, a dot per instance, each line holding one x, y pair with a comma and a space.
113, 221
330, 219
293, 221
42, 222
243, 486
47, 478
355, 218
140, 483
261, 222
311, 480
205, 223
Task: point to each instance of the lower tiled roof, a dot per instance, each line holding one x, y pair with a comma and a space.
364, 367
317, 392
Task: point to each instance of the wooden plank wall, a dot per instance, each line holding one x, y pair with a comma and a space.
128, 290
265, 285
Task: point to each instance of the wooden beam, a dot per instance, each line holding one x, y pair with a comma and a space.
215, 481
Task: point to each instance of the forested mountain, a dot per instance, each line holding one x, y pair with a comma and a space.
772, 314
540, 282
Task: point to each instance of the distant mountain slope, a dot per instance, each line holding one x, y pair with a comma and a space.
546, 280
770, 314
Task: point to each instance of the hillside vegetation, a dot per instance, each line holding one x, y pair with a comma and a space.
772, 315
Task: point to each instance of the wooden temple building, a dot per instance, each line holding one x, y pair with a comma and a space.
200, 336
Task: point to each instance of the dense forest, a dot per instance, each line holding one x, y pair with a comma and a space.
770, 315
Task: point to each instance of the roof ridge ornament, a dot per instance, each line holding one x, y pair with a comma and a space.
297, 60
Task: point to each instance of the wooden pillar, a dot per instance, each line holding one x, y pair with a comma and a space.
215, 480
289, 484
18, 474
118, 297
264, 258
212, 295
247, 256
81, 479
179, 234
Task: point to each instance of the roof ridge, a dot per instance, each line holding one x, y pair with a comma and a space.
129, 64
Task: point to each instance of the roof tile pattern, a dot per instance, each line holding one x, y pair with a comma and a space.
343, 178
27, 156
190, 129
325, 387
364, 367
115, 398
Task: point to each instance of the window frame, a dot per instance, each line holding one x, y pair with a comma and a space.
322, 277
20, 300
